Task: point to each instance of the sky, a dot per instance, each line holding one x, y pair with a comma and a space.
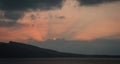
86, 21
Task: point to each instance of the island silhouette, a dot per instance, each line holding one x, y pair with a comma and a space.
20, 50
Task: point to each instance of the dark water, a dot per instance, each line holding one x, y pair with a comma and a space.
61, 61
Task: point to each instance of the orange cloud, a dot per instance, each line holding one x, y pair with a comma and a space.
80, 23
23, 34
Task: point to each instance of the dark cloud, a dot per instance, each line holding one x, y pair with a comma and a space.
14, 9
8, 24
10, 17
30, 4
94, 2
13, 15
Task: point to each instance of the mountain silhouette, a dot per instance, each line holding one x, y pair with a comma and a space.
16, 50
20, 50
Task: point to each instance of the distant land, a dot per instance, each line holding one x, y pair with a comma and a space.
20, 50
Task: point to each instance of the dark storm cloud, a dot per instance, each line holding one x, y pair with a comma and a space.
94, 2
29, 4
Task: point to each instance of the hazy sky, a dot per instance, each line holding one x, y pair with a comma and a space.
40, 20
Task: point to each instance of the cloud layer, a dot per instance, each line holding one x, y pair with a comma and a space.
94, 2
71, 22
29, 4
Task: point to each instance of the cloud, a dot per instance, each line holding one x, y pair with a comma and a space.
60, 17
81, 23
21, 34
71, 22
94, 2
14, 15
29, 4
9, 18
12, 10
7, 24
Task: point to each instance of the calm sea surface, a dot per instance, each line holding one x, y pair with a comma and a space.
60, 61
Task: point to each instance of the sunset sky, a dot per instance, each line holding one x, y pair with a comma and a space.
78, 20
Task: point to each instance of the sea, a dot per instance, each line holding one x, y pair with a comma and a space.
60, 61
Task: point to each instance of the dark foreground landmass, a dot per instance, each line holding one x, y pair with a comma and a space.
19, 50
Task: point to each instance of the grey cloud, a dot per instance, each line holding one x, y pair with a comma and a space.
9, 18
30, 4
8, 24
94, 2
13, 15
14, 9
60, 17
